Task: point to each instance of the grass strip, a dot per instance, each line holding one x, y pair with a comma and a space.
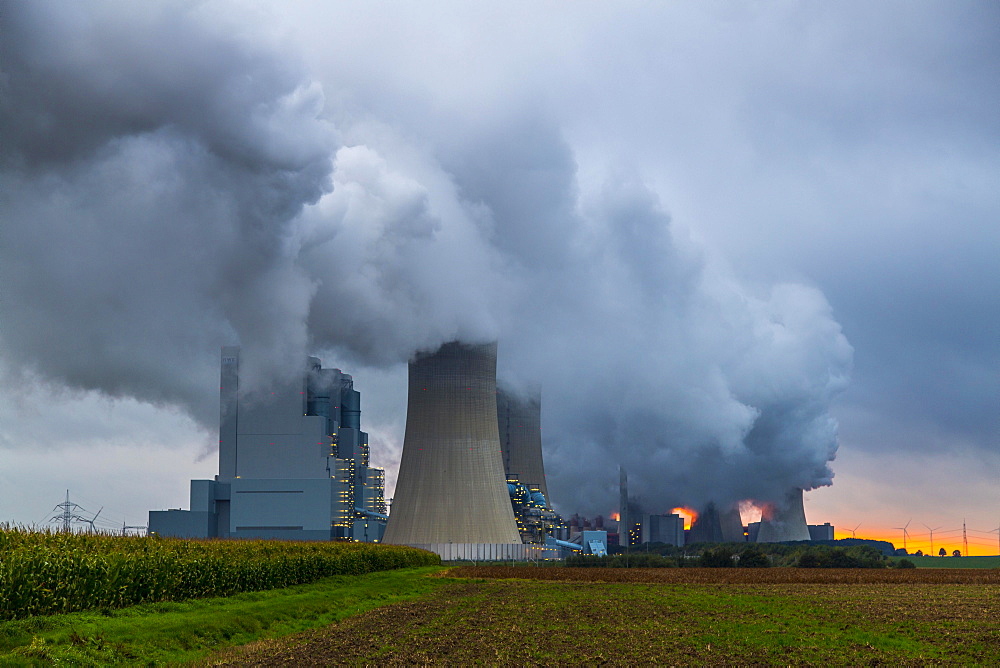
954, 562
174, 632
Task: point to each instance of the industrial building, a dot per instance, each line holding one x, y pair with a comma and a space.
535, 521
821, 531
293, 464
452, 494
667, 528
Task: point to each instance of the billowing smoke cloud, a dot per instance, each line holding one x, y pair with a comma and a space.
161, 201
151, 170
651, 355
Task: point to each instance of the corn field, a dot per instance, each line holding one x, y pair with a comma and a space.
46, 572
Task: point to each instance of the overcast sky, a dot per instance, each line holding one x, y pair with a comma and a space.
742, 247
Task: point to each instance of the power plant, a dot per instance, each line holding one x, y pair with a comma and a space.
780, 522
451, 494
293, 464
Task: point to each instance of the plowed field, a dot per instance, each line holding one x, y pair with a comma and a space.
737, 575
714, 617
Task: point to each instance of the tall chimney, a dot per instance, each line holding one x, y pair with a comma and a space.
624, 521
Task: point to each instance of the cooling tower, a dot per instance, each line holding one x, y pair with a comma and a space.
711, 526
520, 425
451, 486
732, 526
784, 521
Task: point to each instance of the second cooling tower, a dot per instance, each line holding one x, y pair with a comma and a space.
451, 486
785, 521
520, 423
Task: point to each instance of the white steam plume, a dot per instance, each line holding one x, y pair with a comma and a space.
161, 202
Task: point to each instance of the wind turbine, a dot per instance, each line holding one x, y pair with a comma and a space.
906, 534
855, 529
932, 537
92, 520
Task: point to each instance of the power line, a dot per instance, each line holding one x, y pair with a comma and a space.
114, 514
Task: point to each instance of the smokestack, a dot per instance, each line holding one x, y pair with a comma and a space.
785, 521
451, 486
520, 424
624, 521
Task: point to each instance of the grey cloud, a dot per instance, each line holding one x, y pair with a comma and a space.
151, 168
192, 197
650, 354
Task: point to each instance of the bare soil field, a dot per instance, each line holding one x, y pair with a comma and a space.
664, 617
736, 575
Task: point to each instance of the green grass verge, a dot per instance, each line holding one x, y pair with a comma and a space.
159, 633
954, 562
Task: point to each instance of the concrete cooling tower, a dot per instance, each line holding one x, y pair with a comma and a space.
784, 521
451, 487
713, 526
520, 426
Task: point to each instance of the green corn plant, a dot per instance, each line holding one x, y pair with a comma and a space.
46, 572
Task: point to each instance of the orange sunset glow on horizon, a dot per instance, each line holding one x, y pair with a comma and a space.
977, 541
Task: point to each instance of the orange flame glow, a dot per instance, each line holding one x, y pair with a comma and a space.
689, 516
752, 511
615, 516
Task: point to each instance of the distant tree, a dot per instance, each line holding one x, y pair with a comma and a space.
719, 557
904, 563
918, 553
942, 552
753, 557
810, 560
956, 553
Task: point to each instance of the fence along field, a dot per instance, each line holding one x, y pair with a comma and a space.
49, 572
